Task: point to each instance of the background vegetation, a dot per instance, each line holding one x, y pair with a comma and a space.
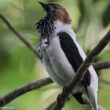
18, 65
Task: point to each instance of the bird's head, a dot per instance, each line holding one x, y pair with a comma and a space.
58, 11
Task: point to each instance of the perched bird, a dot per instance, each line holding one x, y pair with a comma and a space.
62, 55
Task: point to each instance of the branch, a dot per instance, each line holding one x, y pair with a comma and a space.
81, 72
101, 65
26, 42
24, 89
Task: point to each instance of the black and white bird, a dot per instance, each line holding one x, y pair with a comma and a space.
62, 55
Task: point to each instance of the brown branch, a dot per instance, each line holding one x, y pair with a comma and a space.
24, 89
81, 72
101, 65
23, 39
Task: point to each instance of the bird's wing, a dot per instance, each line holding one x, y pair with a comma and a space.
71, 51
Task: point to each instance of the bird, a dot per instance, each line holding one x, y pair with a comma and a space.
62, 55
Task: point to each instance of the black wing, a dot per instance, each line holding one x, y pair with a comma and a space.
71, 51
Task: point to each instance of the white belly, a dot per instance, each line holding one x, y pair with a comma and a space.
56, 63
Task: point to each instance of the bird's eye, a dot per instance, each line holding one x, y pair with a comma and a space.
54, 6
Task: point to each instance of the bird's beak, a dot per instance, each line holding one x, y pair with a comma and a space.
45, 6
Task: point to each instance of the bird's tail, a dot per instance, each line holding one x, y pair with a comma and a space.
92, 98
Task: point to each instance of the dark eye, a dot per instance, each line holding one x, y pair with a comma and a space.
54, 6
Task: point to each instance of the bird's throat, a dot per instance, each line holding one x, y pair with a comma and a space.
46, 26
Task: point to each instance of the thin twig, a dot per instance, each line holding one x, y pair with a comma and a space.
81, 71
23, 39
24, 89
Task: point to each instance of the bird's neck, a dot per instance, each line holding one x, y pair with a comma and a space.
47, 27
62, 27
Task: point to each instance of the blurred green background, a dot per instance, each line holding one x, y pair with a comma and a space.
19, 65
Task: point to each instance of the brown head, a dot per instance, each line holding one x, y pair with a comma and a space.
58, 11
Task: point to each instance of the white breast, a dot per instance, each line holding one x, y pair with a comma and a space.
54, 59
56, 63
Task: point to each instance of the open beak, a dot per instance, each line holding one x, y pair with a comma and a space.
45, 6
